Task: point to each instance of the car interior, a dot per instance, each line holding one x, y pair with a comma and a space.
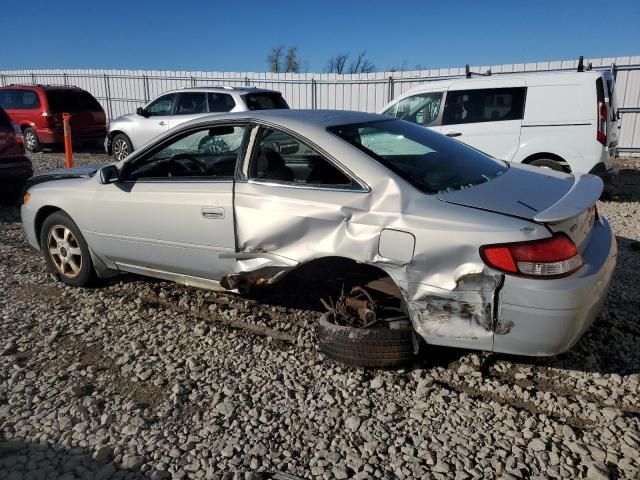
281, 157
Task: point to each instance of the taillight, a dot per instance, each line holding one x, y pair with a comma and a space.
601, 134
18, 133
549, 257
50, 118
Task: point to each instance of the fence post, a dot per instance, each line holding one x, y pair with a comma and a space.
65, 80
193, 81
614, 71
107, 92
390, 93
33, 78
246, 82
314, 94
4, 82
145, 83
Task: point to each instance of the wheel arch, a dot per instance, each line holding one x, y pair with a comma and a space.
550, 156
41, 216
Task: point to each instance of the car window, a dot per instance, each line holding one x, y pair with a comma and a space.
161, 106
220, 102
281, 157
19, 99
72, 101
421, 109
206, 153
429, 161
265, 101
190, 103
484, 105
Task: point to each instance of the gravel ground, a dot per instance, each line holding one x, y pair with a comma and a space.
146, 379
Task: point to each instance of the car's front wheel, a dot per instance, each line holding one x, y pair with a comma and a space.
31, 141
121, 146
65, 250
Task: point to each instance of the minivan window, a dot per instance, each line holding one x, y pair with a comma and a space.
19, 99
429, 161
265, 101
161, 106
484, 105
190, 103
72, 101
220, 102
421, 109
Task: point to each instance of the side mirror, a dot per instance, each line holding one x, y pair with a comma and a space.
142, 112
109, 174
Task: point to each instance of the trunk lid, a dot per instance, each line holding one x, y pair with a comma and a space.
563, 202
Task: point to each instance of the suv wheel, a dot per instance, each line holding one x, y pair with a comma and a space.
31, 141
121, 146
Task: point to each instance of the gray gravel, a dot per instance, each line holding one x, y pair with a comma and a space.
146, 379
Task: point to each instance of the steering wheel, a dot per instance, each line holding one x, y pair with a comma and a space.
194, 165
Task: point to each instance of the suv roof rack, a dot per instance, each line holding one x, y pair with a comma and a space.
41, 85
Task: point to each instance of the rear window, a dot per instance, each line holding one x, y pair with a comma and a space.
429, 161
265, 101
19, 99
72, 101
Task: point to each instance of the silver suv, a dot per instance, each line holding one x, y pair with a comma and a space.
129, 132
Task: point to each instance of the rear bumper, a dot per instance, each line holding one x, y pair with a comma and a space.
15, 171
547, 317
52, 136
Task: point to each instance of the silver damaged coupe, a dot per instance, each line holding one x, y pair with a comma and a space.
487, 255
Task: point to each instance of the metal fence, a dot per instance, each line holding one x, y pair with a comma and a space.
122, 91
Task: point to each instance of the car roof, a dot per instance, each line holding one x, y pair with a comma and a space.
507, 79
223, 89
44, 87
297, 118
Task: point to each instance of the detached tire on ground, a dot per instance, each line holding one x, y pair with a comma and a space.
365, 347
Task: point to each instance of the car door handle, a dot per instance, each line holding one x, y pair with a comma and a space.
213, 213
453, 134
163, 123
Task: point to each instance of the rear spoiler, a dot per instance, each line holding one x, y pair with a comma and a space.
586, 191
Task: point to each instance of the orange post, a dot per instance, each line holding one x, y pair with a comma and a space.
68, 151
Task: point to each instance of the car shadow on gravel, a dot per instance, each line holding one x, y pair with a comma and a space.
625, 186
20, 459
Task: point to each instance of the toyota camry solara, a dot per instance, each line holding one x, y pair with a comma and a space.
487, 255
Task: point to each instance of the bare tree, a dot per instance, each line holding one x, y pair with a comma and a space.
361, 64
336, 64
274, 59
291, 61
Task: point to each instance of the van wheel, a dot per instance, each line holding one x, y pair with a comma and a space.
548, 163
365, 347
31, 141
121, 146
65, 250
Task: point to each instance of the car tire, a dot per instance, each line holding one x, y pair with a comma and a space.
31, 141
548, 163
365, 347
121, 146
65, 250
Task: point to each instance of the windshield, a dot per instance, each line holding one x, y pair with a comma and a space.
265, 101
429, 161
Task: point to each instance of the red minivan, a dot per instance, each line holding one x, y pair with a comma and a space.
38, 109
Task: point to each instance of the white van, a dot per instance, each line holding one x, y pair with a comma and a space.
560, 120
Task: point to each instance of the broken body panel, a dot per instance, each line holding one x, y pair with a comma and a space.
427, 244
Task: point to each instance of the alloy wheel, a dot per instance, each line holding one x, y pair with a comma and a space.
29, 140
64, 251
120, 149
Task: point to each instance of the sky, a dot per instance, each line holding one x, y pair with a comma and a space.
236, 35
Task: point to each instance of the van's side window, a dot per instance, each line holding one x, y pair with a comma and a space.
422, 109
485, 105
